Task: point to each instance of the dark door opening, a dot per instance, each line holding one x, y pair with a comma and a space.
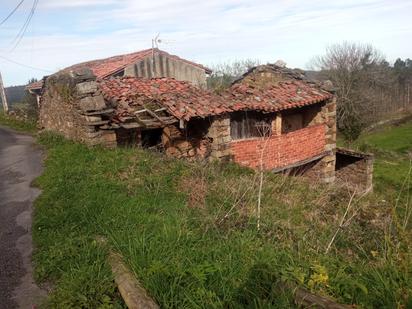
152, 138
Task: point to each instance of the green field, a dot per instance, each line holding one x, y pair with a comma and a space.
189, 230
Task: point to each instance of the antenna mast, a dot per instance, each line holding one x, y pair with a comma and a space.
155, 42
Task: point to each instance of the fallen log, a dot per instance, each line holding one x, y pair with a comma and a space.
306, 299
134, 295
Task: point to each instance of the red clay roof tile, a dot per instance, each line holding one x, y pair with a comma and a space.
35, 85
184, 101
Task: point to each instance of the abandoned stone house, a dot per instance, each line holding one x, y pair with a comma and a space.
271, 116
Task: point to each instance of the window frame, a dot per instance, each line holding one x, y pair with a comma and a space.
243, 125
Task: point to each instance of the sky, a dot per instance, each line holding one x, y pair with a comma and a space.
65, 32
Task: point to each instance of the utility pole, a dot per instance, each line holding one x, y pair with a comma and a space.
3, 96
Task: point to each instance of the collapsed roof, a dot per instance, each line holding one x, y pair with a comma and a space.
183, 101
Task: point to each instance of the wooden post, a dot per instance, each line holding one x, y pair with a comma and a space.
277, 124
3, 96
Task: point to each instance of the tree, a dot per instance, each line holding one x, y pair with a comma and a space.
225, 73
403, 72
361, 75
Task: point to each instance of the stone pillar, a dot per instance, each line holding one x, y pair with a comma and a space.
328, 162
369, 173
92, 107
219, 132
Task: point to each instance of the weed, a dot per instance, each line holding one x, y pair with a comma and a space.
16, 124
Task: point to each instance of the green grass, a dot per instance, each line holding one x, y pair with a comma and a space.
396, 139
392, 146
18, 125
188, 231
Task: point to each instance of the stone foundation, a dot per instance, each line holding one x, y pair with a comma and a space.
354, 170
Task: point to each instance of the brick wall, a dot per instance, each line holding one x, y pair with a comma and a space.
281, 150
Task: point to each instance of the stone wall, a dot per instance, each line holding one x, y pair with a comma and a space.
354, 170
164, 66
219, 134
181, 144
73, 106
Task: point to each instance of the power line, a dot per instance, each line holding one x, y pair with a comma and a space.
26, 65
12, 12
23, 29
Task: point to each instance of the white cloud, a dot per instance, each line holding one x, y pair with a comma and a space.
209, 32
55, 4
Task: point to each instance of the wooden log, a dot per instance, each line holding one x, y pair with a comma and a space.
309, 300
140, 111
101, 112
134, 295
154, 115
131, 125
96, 123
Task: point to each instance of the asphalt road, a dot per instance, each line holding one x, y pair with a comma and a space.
20, 163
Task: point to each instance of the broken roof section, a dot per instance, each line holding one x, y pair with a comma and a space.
183, 101
179, 98
104, 68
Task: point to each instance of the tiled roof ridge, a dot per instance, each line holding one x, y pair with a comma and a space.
127, 59
105, 67
291, 75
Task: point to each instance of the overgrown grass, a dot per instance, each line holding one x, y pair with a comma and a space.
18, 125
189, 233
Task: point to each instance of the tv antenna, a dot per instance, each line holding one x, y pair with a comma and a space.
155, 44
156, 41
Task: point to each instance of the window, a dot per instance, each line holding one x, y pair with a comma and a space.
300, 118
292, 122
250, 124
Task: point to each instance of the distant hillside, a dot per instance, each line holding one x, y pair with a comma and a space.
14, 94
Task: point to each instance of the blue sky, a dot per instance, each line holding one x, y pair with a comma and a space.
64, 32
